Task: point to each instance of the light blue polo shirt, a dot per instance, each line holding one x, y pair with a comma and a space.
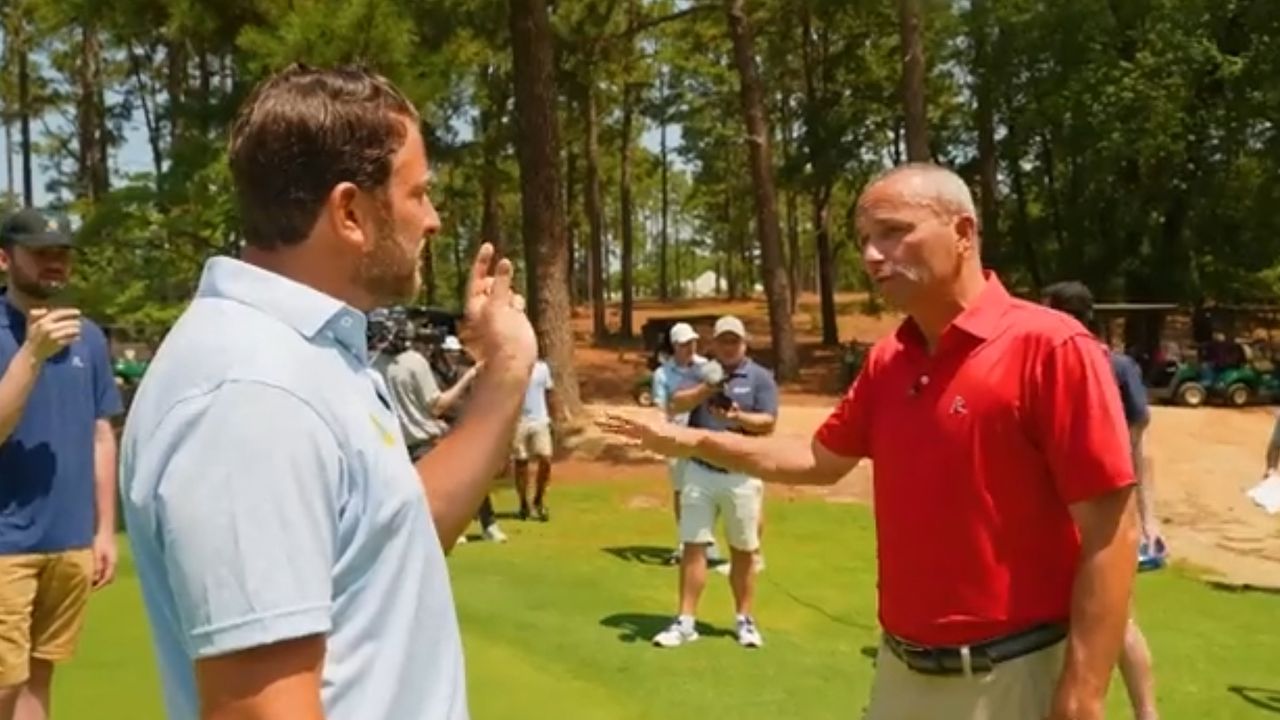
669, 378
269, 496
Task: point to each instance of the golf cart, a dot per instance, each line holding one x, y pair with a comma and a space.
656, 334
1152, 334
1250, 380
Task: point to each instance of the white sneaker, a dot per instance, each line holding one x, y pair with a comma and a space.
759, 563
675, 635
493, 533
748, 634
462, 539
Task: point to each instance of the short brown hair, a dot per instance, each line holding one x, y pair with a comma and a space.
304, 130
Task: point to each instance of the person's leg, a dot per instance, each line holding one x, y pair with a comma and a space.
19, 580
1136, 669
485, 514
522, 486
696, 521
693, 578
542, 448
741, 504
35, 702
57, 619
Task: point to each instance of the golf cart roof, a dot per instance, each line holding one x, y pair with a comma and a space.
1128, 307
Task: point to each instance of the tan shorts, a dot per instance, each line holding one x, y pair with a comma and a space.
532, 440
1020, 689
42, 604
707, 493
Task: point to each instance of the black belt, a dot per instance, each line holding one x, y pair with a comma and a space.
983, 657
709, 466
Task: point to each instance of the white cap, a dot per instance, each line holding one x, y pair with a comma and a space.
730, 324
682, 333
451, 344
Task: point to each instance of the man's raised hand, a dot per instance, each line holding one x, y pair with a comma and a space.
49, 331
504, 336
663, 438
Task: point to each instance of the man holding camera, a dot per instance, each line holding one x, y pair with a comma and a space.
738, 396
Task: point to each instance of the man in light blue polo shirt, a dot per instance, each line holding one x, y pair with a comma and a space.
291, 564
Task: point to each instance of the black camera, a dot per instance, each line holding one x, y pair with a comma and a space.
720, 401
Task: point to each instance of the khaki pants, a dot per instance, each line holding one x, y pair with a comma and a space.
1020, 689
42, 603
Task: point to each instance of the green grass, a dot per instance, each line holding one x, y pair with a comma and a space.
556, 625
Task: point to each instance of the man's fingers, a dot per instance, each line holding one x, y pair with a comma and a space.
480, 269
500, 291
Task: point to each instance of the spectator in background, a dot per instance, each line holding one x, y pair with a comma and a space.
1076, 300
455, 372
57, 463
737, 396
533, 443
679, 370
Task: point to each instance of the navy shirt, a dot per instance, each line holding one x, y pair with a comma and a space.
46, 465
1133, 392
749, 385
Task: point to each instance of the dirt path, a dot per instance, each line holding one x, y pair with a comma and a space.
1203, 462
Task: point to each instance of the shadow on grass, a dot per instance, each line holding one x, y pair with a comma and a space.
809, 605
642, 554
1242, 588
641, 627
1261, 698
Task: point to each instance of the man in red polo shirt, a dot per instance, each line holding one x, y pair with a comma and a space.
1003, 491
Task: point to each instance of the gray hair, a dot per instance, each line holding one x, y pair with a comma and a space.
932, 185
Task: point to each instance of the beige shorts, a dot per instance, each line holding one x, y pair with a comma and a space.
532, 440
707, 493
1020, 689
42, 602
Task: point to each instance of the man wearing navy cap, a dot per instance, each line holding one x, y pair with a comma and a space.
57, 463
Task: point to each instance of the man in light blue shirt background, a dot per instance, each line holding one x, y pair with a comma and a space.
291, 564
679, 371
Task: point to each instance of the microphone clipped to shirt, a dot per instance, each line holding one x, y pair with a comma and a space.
918, 386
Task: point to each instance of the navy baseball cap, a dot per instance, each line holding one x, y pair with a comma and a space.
31, 228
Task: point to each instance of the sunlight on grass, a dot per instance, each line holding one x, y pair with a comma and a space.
557, 623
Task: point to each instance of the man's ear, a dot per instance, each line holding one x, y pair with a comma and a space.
6, 259
966, 230
344, 214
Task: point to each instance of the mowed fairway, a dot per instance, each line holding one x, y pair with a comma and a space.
557, 622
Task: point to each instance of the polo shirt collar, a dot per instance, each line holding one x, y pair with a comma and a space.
981, 319
743, 367
308, 311
7, 309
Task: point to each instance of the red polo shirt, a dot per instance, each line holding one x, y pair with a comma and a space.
978, 451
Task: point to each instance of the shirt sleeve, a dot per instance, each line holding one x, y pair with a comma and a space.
658, 388
766, 394
426, 385
106, 394
248, 513
1079, 421
847, 431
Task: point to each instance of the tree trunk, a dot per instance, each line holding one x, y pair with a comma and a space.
595, 219
176, 56
92, 176
626, 211
910, 19
491, 140
24, 122
822, 183
571, 223
538, 153
664, 292
767, 229
988, 161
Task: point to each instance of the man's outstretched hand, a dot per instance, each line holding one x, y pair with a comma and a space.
661, 437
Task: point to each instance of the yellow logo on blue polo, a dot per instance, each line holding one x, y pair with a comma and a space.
388, 437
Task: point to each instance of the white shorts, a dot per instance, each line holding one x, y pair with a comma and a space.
706, 493
676, 471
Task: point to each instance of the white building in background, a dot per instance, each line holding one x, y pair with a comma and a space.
705, 284
702, 286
